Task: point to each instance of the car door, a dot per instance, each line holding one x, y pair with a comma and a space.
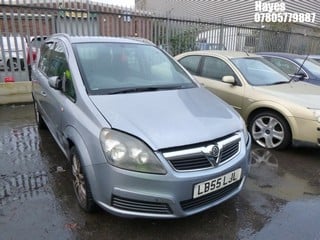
64, 97
56, 98
40, 81
212, 71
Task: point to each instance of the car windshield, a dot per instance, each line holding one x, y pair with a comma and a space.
257, 71
311, 65
109, 68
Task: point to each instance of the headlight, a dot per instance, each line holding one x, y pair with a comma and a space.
245, 131
127, 152
316, 113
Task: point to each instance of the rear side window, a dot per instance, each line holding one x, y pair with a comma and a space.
191, 63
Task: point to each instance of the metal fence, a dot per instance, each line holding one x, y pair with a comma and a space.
24, 20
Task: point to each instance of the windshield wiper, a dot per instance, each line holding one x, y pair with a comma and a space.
294, 76
281, 82
147, 89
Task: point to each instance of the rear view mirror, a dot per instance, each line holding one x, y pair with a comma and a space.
229, 79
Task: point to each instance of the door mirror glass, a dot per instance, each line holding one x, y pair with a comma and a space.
55, 82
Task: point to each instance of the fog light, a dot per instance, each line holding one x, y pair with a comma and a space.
316, 113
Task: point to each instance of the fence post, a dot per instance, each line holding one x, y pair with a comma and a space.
221, 35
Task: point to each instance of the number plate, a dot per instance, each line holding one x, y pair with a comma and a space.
215, 184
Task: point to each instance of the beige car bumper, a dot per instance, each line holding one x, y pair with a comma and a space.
305, 132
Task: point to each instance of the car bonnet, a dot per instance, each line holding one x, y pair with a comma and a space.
170, 118
305, 94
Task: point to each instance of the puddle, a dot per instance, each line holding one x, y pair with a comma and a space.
22, 186
271, 174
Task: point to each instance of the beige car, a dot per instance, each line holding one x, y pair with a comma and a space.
277, 110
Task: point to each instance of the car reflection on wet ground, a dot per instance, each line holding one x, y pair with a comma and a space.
280, 199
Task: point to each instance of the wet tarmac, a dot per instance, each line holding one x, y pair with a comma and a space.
281, 198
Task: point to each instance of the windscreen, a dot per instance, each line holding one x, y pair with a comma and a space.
106, 67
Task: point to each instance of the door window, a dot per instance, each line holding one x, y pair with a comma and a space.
58, 67
216, 69
285, 65
62, 70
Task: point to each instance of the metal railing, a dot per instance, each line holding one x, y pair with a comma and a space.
22, 20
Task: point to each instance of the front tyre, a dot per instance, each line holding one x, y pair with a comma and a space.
270, 130
39, 120
80, 183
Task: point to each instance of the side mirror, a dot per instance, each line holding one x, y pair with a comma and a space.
299, 75
229, 79
55, 82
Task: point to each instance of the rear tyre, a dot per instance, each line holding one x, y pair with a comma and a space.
270, 130
39, 120
80, 183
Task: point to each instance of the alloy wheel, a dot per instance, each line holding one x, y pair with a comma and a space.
268, 131
79, 183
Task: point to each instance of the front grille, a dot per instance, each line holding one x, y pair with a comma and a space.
209, 198
191, 162
194, 158
229, 150
140, 206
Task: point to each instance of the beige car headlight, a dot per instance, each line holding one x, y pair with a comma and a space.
316, 113
245, 131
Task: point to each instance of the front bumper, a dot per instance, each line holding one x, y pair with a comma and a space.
306, 133
132, 194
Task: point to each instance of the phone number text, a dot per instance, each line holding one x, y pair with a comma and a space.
285, 17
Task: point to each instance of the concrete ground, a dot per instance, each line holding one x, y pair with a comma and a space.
18, 91
280, 200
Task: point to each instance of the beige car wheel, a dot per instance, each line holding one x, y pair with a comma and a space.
270, 130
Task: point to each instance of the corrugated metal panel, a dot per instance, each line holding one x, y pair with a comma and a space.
228, 11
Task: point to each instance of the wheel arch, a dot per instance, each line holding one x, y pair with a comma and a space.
284, 113
74, 139
274, 107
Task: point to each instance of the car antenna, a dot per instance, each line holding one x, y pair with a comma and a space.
246, 51
301, 65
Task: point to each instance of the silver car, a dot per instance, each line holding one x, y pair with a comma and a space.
12, 53
143, 139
